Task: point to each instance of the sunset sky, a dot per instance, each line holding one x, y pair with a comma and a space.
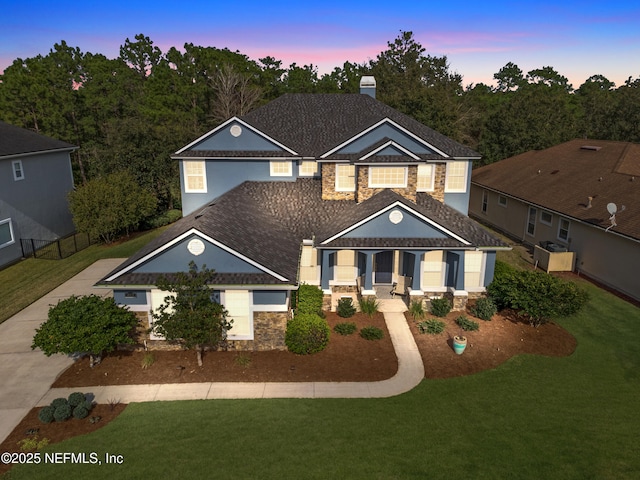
578, 39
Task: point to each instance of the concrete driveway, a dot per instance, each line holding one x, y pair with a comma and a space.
26, 375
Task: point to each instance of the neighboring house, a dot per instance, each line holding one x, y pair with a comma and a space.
560, 195
35, 178
339, 191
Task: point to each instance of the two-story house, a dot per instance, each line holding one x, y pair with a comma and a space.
335, 190
35, 179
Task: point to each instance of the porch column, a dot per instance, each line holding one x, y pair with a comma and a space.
455, 270
416, 272
368, 277
326, 273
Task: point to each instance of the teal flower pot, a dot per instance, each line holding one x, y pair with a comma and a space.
459, 344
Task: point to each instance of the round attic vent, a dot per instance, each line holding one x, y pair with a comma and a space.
395, 217
196, 247
235, 130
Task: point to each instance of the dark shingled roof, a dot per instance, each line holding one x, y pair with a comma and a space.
561, 179
314, 124
267, 221
15, 140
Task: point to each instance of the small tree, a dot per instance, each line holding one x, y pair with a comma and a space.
188, 315
108, 206
85, 324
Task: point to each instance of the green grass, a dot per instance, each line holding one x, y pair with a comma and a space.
533, 417
25, 282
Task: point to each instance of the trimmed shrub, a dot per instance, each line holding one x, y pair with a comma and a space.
440, 307
58, 402
372, 333
80, 412
537, 296
431, 327
88, 404
309, 300
76, 398
346, 328
369, 306
307, 333
467, 324
484, 309
62, 413
45, 415
416, 309
346, 308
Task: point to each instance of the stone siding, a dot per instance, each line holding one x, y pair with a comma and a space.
438, 182
329, 184
364, 192
269, 329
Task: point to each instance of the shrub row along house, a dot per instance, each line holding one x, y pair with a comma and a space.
35, 179
335, 190
581, 195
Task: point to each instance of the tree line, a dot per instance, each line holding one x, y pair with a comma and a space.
130, 113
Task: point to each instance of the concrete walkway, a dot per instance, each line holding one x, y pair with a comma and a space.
25, 375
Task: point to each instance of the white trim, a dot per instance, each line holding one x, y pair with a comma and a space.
177, 240
431, 187
302, 174
11, 234
464, 189
529, 222
376, 125
387, 185
223, 125
386, 209
288, 173
355, 178
550, 222
14, 169
390, 143
186, 180
566, 240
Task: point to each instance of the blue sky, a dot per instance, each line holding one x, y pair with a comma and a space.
578, 39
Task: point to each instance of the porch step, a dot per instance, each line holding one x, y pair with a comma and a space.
392, 305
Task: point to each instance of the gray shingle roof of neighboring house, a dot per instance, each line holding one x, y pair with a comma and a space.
267, 221
15, 141
312, 125
563, 177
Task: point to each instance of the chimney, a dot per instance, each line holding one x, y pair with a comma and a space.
368, 86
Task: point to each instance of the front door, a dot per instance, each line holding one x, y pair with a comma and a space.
383, 267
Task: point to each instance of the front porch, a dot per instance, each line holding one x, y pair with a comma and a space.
404, 274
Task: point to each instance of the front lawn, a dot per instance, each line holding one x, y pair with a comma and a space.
536, 417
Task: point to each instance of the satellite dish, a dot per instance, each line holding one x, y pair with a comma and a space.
612, 208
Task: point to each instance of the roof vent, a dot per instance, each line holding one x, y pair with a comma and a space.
593, 148
368, 85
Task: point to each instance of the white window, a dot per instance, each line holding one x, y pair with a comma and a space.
387, 177
485, 201
308, 168
345, 178
502, 200
563, 229
546, 217
18, 172
344, 268
425, 177
238, 305
432, 268
531, 222
473, 268
6, 233
280, 168
195, 177
456, 179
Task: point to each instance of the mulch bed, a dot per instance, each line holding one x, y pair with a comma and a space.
346, 359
